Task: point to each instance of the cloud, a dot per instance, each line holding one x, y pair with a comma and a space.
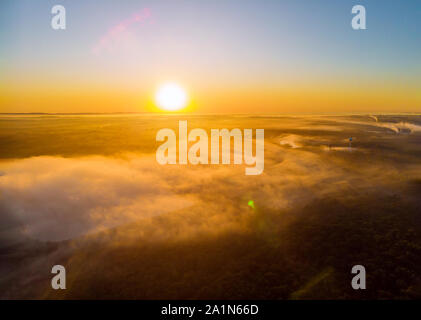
292, 141
397, 127
56, 198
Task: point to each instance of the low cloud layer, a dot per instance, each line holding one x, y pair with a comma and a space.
56, 198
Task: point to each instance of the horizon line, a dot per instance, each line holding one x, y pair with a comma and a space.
193, 113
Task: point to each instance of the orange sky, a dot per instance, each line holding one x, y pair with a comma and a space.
232, 99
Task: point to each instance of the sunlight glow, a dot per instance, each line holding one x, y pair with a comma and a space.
171, 97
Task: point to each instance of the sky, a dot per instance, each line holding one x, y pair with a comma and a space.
231, 56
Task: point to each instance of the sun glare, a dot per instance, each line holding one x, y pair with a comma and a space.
171, 97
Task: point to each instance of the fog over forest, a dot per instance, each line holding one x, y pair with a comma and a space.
85, 191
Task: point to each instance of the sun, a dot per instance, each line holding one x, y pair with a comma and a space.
171, 97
